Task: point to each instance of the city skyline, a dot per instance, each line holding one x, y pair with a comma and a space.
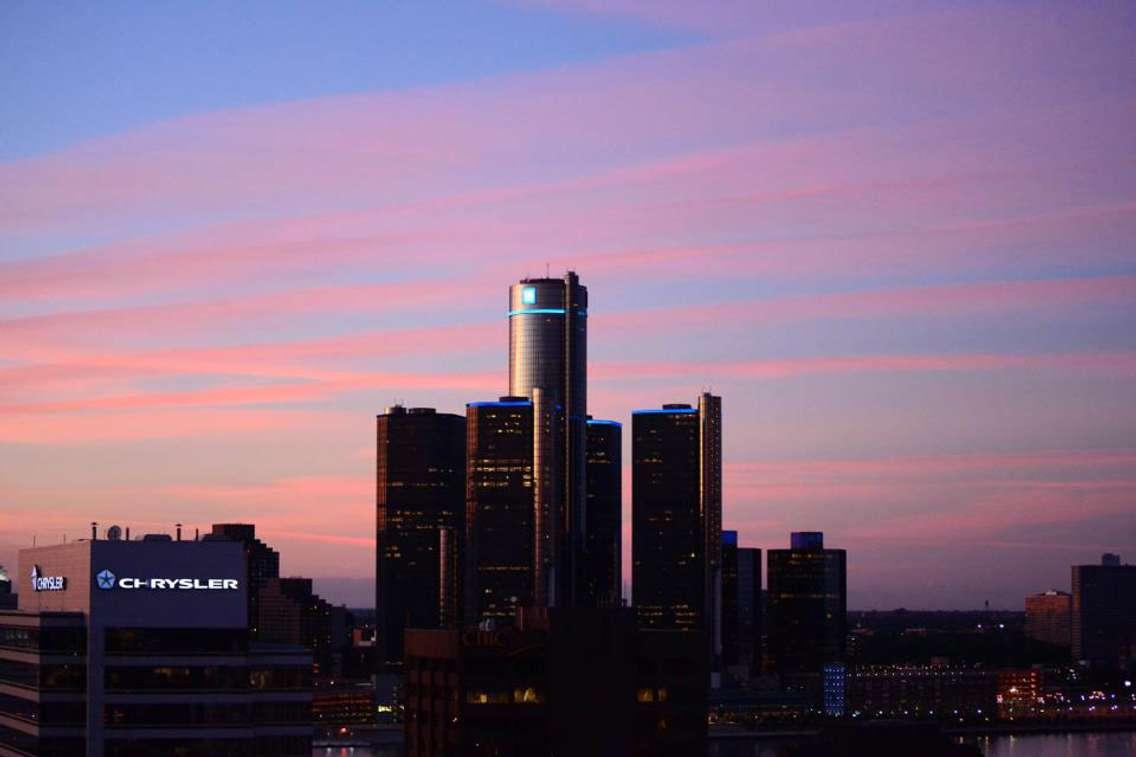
914, 290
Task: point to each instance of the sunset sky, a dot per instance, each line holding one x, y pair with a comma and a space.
898, 238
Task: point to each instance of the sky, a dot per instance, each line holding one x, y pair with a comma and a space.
898, 239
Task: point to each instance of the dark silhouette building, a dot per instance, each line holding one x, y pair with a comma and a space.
8, 598
1104, 613
292, 613
807, 605
556, 681
548, 330
604, 553
741, 607
676, 504
1049, 617
420, 491
501, 517
262, 561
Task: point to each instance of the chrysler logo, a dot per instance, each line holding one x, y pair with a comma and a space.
40, 582
105, 579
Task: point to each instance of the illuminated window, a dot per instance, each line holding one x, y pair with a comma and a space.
645, 695
527, 696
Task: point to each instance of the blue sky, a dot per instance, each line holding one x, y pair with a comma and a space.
75, 70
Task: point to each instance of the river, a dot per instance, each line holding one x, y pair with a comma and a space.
1034, 745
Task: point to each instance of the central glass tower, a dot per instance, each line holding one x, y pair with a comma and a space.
548, 338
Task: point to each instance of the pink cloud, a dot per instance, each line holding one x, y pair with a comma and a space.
153, 423
1121, 362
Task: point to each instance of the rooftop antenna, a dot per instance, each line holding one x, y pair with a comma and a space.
94, 530
546, 273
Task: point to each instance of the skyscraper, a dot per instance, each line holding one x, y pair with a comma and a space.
604, 543
501, 517
420, 475
808, 604
741, 606
1104, 613
750, 605
548, 330
676, 501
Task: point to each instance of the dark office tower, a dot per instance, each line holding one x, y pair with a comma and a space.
604, 545
500, 516
807, 602
263, 565
548, 330
420, 476
741, 607
1104, 613
676, 503
731, 619
749, 610
667, 546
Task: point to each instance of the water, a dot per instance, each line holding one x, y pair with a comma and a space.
1048, 745
1034, 745
1060, 745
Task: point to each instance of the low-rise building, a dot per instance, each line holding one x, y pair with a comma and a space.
580, 681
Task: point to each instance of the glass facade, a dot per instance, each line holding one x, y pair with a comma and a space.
1103, 608
676, 504
420, 490
499, 517
807, 603
605, 514
548, 331
668, 547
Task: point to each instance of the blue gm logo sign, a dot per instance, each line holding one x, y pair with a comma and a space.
105, 579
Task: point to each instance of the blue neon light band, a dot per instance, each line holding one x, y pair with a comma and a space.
665, 411
605, 423
537, 311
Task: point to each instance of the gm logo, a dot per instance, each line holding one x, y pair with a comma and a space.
528, 296
105, 579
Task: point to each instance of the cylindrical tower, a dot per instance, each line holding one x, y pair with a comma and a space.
548, 330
